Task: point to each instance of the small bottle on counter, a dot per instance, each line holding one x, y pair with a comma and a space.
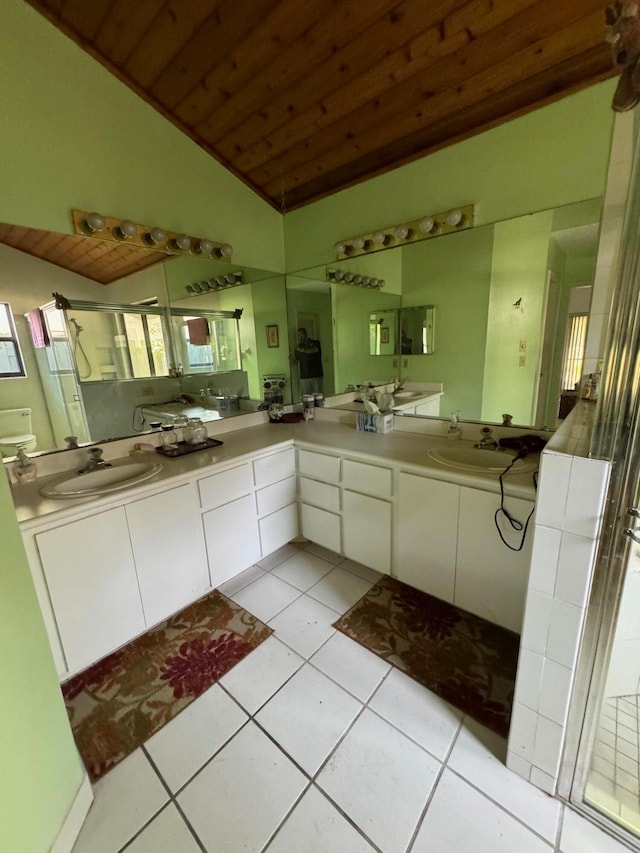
24, 468
308, 406
318, 400
169, 437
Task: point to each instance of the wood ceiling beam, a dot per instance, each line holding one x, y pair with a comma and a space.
550, 85
434, 49
317, 44
417, 103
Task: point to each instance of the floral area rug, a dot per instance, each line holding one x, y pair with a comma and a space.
462, 658
119, 702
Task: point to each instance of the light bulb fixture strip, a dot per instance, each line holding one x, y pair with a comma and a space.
115, 230
355, 279
424, 228
214, 284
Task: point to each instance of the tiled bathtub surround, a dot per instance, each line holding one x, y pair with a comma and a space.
571, 496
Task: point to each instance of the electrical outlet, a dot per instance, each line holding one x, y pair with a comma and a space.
522, 361
522, 346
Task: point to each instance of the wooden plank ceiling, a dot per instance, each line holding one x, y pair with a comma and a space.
301, 98
99, 260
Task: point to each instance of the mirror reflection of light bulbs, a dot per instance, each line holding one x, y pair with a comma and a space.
401, 232
375, 282
95, 222
348, 276
229, 278
427, 225
379, 238
382, 283
341, 248
339, 275
196, 287
357, 279
358, 243
225, 251
454, 218
220, 281
189, 288
366, 281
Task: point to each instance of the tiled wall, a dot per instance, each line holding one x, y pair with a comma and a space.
571, 495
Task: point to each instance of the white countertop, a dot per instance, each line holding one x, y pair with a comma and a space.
405, 450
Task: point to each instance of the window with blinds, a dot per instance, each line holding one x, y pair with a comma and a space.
573, 356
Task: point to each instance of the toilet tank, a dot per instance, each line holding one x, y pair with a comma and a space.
15, 422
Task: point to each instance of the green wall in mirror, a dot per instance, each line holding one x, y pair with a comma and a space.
495, 290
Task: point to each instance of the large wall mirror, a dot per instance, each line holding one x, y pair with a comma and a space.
105, 374
505, 297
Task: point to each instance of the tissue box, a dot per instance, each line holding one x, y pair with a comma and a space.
374, 423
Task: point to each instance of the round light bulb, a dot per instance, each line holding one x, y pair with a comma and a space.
205, 285
196, 287
157, 236
357, 279
183, 242
204, 247
339, 275
401, 232
229, 278
341, 248
220, 280
238, 277
382, 283
348, 276
189, 288
366, 281
379, 238
225, 251
427, 225
126, 229
358, 243
95, 222
375, 282
454, 218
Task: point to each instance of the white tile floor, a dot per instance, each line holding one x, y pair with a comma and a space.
314, 745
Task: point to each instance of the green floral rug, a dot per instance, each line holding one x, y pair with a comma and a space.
464, 659
119, 702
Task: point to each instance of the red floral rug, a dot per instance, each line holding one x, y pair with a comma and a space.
462, 658
119, 702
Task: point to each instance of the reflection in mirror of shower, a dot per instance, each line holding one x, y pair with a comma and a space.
82, 362
614, 775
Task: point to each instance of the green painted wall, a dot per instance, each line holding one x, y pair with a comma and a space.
553, 156
519, 272
455, 276
41, 772
72, 135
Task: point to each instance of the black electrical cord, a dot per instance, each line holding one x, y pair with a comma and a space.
514, 522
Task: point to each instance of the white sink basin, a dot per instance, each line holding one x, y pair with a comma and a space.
478, 459
408, 395
101, 481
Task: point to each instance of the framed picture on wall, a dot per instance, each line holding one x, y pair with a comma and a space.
273, 338
384, 335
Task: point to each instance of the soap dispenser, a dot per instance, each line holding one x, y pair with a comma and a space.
24, 468
455, 427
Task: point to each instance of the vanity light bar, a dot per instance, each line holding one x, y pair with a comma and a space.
355, 279
125, 231
218, 282
457, 219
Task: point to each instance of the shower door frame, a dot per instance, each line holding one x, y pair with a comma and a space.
616, 437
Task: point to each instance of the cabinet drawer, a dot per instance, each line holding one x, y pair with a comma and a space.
321, 527
320, 466
276, 467
320, 494
278, 528
226, 486
276, 496
369, 479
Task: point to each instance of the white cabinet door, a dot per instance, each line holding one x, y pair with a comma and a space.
366, 530
91, 576
425, 535
233, 542
491, 580
168, 547
321, 527
278, 528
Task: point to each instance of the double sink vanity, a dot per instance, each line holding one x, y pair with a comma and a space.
109, 566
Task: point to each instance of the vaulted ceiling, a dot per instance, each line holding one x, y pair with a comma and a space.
301, 98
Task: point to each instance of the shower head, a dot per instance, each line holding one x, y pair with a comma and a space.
79, 328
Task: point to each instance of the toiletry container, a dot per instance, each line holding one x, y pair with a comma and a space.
24, 468
195, 432
169, 437
16, 431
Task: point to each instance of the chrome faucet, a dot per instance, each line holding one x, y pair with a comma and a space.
487, 441
398, 385
96, 462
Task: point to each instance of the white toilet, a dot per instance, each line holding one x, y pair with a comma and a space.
15, 430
